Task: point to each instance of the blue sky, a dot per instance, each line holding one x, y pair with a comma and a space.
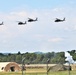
9, 5
44, 35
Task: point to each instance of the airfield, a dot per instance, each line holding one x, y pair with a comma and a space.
40, 69
15, 67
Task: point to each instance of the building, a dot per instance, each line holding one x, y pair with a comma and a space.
9, 67
73, 66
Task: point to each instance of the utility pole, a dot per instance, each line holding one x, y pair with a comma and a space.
23, 65
69, 68
47, 65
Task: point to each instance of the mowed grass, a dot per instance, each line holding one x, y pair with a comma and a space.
38, 72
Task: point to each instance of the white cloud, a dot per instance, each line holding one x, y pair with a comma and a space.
55, 40
42, 33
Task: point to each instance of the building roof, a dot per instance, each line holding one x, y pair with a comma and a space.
9, 66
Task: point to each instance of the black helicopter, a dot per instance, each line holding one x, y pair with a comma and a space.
59, 20
1, 23
32, 20
21, 23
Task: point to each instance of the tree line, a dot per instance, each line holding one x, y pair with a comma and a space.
36, 57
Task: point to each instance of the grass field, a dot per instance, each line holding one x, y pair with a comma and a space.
51, 73
38, 72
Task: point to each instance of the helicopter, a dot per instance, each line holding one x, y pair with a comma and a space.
21, 23
32, 20
59, 20
1, 23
